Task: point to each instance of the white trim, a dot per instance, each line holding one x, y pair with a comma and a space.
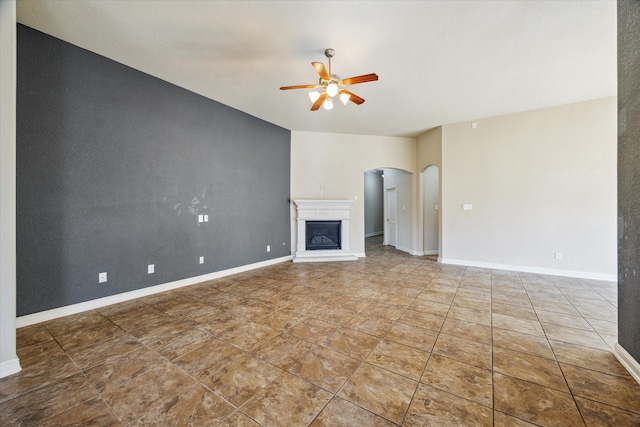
431, 252
417, 253
10, 367
627, 361
403, 249
537, 270
44, 316
360, 254
375, 233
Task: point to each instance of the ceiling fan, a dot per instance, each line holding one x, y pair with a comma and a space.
332, 85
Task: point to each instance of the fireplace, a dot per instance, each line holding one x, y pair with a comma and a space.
323, 231
322, 235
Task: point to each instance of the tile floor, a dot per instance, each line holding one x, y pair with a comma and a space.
387, 340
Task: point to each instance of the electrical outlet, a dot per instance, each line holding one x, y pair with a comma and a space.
102, 277
200, 218
206, 218
268, 248
151, 268
558, 255
201, 260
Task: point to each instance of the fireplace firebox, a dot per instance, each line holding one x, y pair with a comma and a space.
321, 235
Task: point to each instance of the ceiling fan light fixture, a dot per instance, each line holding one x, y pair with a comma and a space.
313, 96
328, 104
332, 89
344, 97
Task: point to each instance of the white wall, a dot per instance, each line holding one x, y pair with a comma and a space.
373, 203
540, 182
332, 166
9, 363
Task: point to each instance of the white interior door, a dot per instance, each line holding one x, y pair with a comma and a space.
392, 213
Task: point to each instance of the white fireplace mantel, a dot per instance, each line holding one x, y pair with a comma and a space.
324, 210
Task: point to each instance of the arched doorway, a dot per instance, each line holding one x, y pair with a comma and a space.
388, 207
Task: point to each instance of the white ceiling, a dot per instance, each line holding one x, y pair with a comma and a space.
439, 62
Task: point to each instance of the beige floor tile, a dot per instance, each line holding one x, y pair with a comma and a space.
325, 368
212, 354
351, 343
339, 412
413, 336
120, 369
191, 355
513, 310
431, 406
535, 403
471, 315
38, 353
469, 330
503, 420
589, 358
424, 320
195, 406
146, 392
369, 388
239, 379
248, 336
37, 376
30, 335
575, 336
461, 379
288, 401
599, 414
463, 350
524, 343
621, 392
371, 325
517, 324
283, 350
94, 412
535, 369
399, 358
577, 322
47, 401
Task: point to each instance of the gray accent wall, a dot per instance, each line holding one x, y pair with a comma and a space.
114, 167
629, 177
373, 203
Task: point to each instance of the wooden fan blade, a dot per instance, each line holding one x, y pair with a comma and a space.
360, 79
318, 102
321, 70
298, 87
353, 97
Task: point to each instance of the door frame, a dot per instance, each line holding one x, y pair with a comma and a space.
387, 224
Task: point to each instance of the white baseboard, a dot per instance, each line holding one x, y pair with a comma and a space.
360, 254
375, 233
536, 270
431, 252
627, 361
44, 316
10, 367
403, 249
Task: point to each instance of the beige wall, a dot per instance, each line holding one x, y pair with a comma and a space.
540, 182
332, 166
